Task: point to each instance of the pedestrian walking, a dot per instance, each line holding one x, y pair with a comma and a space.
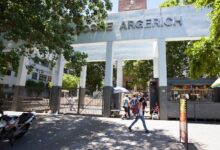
138, 110
133, 101
126, 107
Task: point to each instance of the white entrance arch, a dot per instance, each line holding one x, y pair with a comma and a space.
142, 35
132, 35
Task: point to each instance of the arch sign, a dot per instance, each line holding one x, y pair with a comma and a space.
140, 24
177, 23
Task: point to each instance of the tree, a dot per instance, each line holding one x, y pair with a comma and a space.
177, 60
44, 29
204, 54
95, 75
172, 3
76, 63
139, 71
204, 58
70, 81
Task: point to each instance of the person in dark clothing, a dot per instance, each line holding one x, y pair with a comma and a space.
144, 103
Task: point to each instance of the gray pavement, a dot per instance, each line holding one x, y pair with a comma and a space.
68, 132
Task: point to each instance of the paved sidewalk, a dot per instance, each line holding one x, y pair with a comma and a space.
67, 132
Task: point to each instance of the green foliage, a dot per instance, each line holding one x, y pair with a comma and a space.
34, 87
169, 3
177, 60
76, 63
49, 84
47, 25
70, 81
95, 75
8, 61
172, 3
204, 55
34, 84
140, 72
204, 58
214, 15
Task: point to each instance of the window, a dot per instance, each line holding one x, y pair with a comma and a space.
49, 78
34, 75
45, 64
8, 72
42, 77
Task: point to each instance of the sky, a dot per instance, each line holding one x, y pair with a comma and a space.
150, 4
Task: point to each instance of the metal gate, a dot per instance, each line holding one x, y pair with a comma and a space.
90, 104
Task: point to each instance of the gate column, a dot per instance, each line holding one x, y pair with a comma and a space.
20, 84
108, 89
82, 86
57, 76
118, 96
120, 72
162, 70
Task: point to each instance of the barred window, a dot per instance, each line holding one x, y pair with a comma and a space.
34, 75
49, 78
42, 77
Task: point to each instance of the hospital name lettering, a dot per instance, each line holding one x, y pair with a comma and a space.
139, 24
151, 23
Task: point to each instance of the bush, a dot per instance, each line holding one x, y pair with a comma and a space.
70, 81
34, 87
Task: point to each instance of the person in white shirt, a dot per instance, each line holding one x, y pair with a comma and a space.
126, 107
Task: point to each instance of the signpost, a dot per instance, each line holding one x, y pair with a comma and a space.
183, 121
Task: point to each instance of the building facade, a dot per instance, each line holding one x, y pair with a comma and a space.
128, 5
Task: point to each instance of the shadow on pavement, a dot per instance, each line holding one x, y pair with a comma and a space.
80, 132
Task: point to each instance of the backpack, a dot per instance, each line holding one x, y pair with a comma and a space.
133, 102
135, 109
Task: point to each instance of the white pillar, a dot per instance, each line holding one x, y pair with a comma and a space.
155, 60
83, 77
57, 73
57, 77
107, 90
82, 89
22, 72
19, 91
162, 62
162, 79
156, 68
120, 72
108, 65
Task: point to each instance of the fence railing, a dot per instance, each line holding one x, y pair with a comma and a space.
38, 100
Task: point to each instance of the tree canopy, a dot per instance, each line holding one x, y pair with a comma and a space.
140, 72
44, 29
95, 75
70, 81
171, 3
177, 60
204, 55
